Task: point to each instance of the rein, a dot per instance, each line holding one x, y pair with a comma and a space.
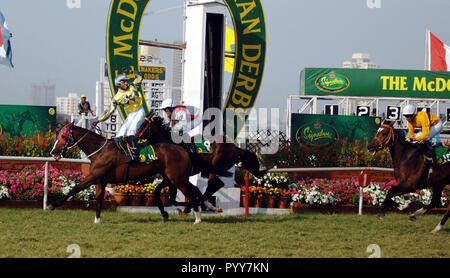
81, 139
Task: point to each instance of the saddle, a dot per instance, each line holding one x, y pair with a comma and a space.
144, 149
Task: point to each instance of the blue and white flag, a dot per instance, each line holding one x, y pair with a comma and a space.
5, 44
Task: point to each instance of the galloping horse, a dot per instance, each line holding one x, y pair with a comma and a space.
410, 169
109, 165
222, 157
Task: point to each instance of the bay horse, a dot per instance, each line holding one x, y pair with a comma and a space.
410, 169
109, 164
211, 165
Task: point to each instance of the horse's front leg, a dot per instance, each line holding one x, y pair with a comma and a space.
435, 200
159, 203
88, 181
100, 196
387, 203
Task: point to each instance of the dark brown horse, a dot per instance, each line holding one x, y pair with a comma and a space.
109, 164
410, 169
220, 160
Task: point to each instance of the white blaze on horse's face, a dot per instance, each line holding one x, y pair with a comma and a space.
53, 152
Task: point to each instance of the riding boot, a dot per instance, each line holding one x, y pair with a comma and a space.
429, 153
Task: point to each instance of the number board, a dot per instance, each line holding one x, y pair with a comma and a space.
331, 109
393, 113
362, 110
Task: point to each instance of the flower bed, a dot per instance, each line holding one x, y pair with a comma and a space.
138, 195
322, 193
28, 185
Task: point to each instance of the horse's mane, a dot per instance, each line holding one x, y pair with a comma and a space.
98, 136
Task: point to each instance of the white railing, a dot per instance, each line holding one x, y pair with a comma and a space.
47, 161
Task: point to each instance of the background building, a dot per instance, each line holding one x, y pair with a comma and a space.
42, 94
360, 61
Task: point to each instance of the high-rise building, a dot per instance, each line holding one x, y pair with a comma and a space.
360, 61
42, 94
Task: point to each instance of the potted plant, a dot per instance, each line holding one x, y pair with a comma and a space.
285, 196
136, 193
165, 196
272, 197
260, 194
149, 190
121, 194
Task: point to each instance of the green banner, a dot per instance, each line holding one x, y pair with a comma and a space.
250, 38
375, 83
122, 42
24, 120
323, 130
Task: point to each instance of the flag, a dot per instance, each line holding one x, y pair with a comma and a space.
438, 54
229, 41
5, 45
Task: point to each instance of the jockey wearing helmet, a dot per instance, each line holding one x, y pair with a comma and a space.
130, 98
181, 120
431, 126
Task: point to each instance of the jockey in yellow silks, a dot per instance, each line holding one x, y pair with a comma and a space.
130, 98
431, 126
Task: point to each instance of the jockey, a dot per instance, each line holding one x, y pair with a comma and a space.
431, 126
129, 97
181, 121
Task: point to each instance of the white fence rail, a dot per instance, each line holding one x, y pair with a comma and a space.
330, 169
47, 161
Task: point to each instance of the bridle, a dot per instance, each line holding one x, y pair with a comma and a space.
65, 137
386, 142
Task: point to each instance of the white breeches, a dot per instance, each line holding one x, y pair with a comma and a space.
132, 123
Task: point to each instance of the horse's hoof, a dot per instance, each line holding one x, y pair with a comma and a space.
381, 216
97, 220
165, 215
180, 212
197, 222
412, 218
219, 210
50, 207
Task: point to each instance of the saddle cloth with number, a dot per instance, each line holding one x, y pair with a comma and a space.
442, 154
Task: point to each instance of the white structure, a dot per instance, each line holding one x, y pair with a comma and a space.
360, 61
202, 74
177, 75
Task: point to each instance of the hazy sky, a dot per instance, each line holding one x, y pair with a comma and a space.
54, 43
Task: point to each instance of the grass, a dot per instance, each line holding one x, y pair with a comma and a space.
28, 233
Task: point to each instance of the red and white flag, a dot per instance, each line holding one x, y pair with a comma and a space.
438, 54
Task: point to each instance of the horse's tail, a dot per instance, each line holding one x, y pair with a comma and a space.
250, 162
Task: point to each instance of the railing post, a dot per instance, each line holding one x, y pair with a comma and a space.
45, 186
246, 194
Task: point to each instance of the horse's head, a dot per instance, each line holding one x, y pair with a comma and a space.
153, 128
383, 138
63, 141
